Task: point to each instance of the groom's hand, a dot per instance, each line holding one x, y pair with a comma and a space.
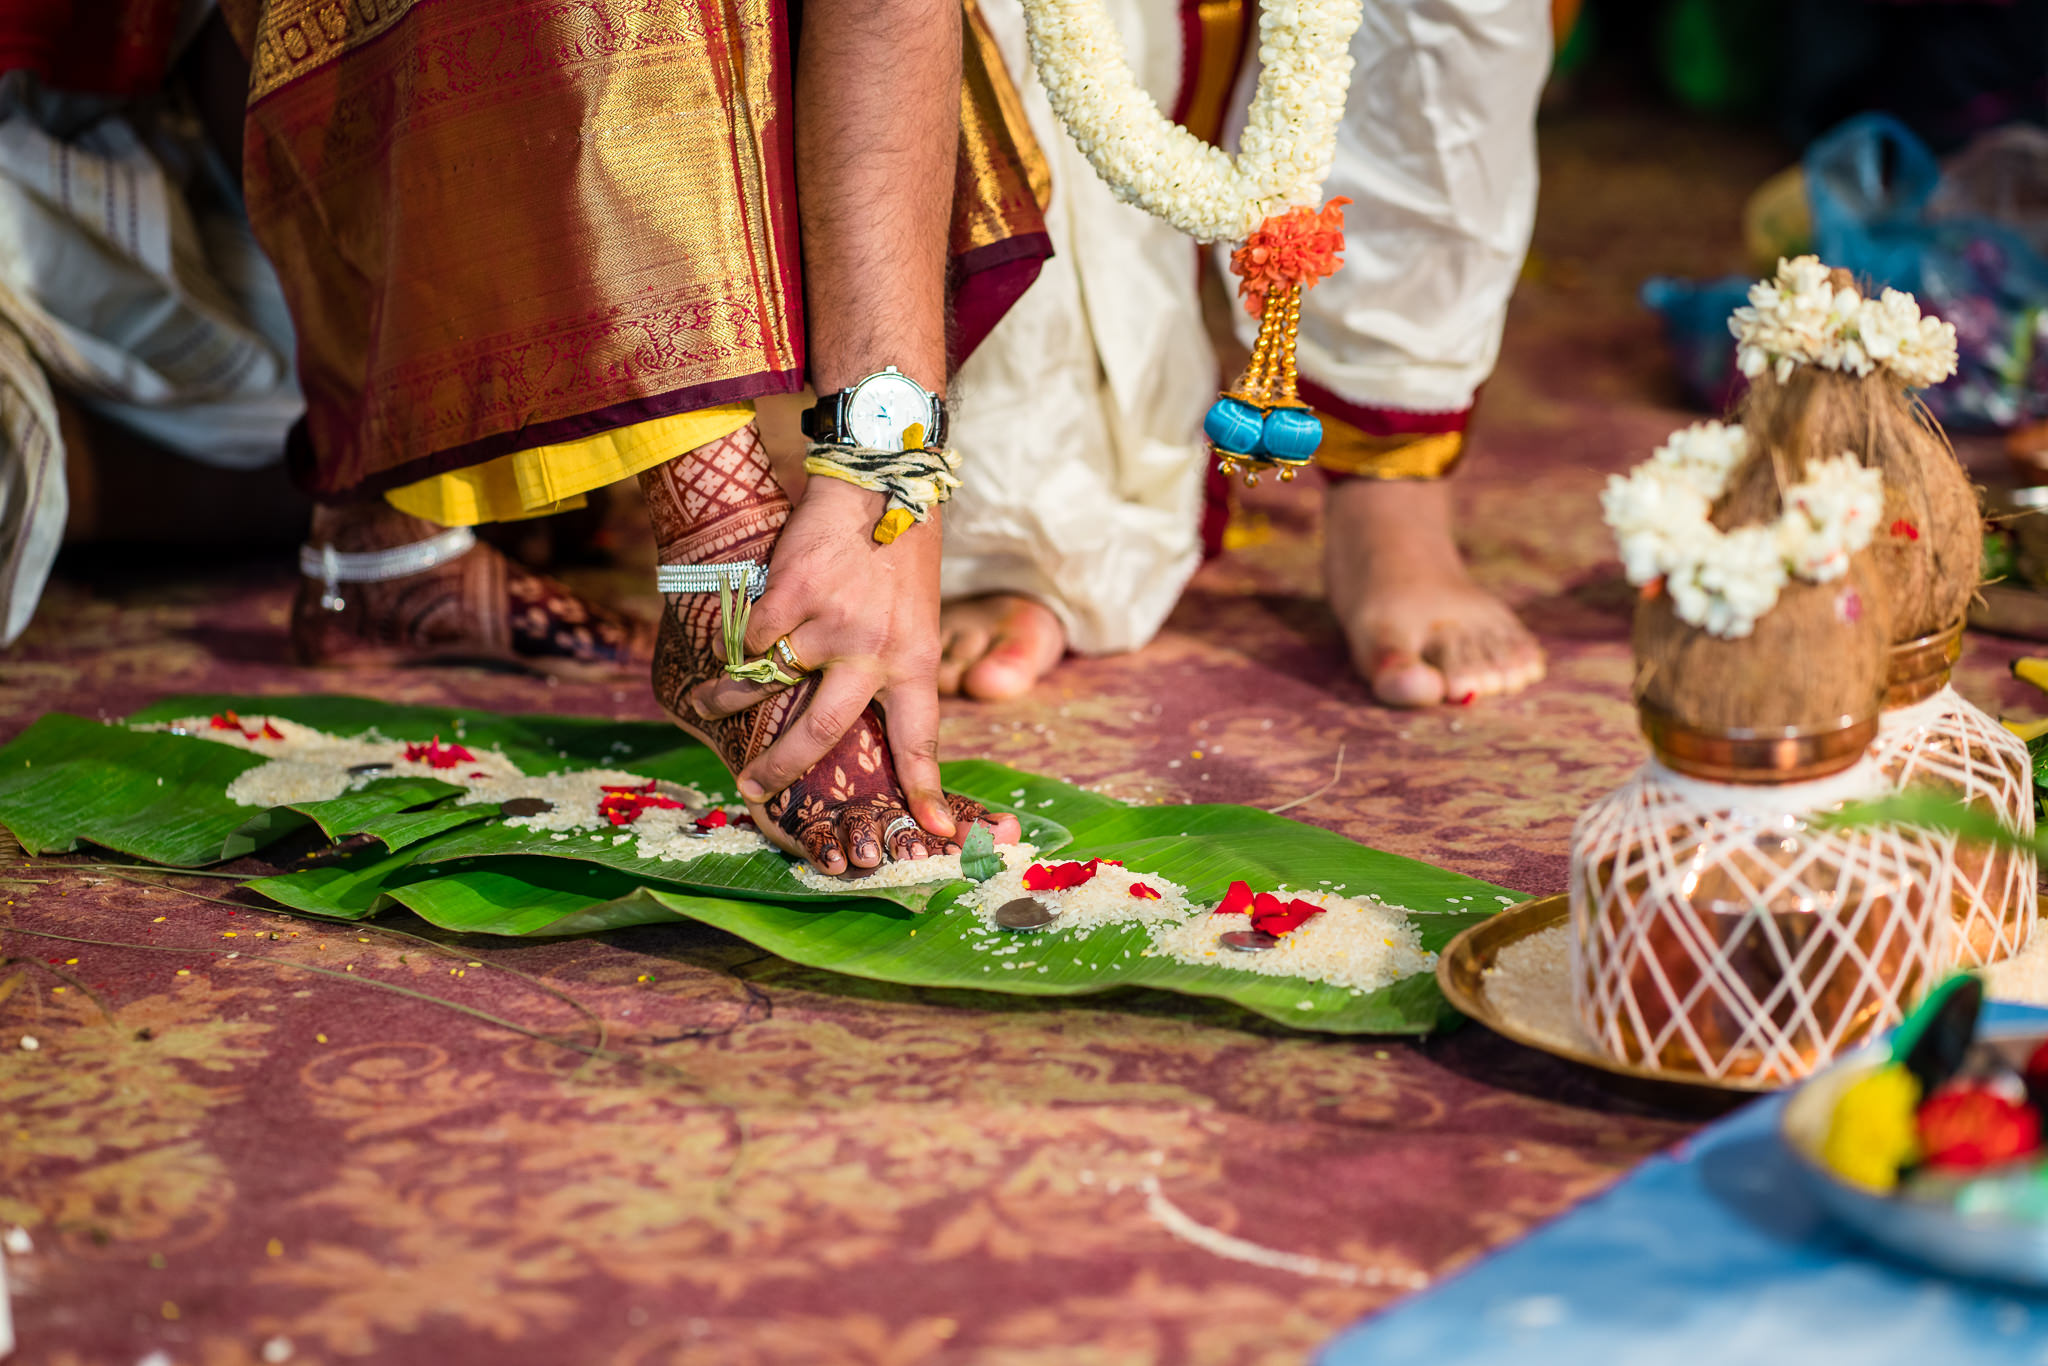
866, 617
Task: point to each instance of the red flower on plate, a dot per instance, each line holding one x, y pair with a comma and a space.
624, 805
1969, 1125
1276, 917
434, 754
1059, 877
1236, 901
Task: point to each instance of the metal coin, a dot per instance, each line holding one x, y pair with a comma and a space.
369, 768
525, 806
1249, 941
1025, 913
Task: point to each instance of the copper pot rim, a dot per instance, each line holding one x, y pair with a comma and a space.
1758, 754
1917, 669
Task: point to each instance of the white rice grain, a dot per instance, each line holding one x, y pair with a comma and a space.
1104, 899
2022, 977
311, 765
1530, 983
1358, 943
898, 873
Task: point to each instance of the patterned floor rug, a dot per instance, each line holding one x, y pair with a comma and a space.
245, 1138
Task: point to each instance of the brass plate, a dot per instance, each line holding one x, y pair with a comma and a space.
1461, 973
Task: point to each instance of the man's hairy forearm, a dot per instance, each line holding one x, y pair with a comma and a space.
877, 133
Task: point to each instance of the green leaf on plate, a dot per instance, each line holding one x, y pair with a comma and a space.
162, 798
979, 860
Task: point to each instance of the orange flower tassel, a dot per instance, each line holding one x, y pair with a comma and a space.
1298, 247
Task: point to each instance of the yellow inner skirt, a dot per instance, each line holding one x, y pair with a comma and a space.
555, 478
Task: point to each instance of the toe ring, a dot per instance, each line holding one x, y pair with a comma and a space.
906, 821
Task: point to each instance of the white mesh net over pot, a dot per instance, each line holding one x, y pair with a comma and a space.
1949, 746
1721, 929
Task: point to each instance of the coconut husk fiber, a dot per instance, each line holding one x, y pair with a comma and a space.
1817, 656
1930, 545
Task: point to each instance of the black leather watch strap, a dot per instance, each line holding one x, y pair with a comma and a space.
820, 421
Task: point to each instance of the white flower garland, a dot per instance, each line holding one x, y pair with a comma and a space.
1801, 318
1723, 581
1289, 141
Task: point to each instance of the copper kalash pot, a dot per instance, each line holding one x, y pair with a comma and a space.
1723, 926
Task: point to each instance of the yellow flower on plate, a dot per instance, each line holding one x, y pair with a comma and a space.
1874, 1130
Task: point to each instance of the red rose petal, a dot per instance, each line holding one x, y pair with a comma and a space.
1058, 877
271, 732
1143, 893
1237, 900
712, 820
1275, 918
624, 805
434, 754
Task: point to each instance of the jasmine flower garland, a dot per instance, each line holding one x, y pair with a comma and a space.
1801, 317
1289, 141
1724, 581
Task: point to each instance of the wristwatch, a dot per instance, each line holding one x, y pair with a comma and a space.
875, 411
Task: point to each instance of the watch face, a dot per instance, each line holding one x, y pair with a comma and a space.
882, 406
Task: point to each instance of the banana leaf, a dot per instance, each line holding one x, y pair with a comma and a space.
67, 781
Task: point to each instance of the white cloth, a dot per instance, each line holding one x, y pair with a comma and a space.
33, 498
128, 274
1079, 417
1437, 153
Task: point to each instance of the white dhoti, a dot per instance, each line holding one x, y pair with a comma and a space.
1437, 153
1080, 415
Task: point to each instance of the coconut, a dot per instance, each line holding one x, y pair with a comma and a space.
1929, 549
1816, 657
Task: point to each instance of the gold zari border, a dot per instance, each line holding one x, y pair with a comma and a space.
293, 38
1347, 450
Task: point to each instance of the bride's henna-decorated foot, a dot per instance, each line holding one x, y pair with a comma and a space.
720, 504
478, 606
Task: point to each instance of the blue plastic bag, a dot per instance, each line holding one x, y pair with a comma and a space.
1869, 182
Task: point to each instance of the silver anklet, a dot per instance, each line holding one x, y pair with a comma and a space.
709, 578
336, 567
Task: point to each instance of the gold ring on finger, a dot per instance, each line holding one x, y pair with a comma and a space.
786, 652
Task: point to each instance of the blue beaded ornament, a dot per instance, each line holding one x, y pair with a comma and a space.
1233, 426
1291, 435
1260, 424
1285, 254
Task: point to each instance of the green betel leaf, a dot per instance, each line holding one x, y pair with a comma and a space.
162, 797
978, 857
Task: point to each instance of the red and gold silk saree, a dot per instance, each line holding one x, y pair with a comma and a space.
505, 224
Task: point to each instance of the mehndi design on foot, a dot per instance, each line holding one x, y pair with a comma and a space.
478, 606
720, 504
